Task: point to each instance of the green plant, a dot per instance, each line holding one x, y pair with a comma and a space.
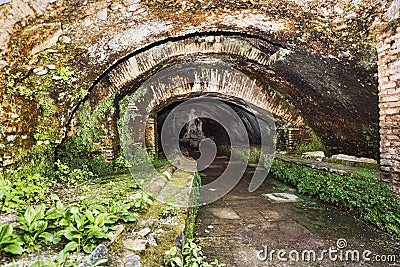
23, 189
363, 193
122, 210
47, 105
33, 223
119, 163
9, 241
84, 228
66, 175
192, 257
172, 258
314, 144
141, 200
169, 212
63, 260
160, 163
65, 74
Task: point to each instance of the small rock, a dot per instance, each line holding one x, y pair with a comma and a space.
150, 223
132, 260
133, 8
98, 253
65, 39
114, 235
3, 64
115, 7
102, 14
135, 245
313, 155
343, 54
2, 2
210, 227
144, 232
40, 71
167, 175
348, 158
152, 241
130, 2
56, 78
51, 67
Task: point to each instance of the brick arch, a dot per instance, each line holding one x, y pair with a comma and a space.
127, 75
130, 70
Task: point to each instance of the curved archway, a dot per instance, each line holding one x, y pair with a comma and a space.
286, 78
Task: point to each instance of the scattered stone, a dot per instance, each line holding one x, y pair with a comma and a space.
154, 223
114, 235
40, 71
317, 155
225, 213
167, 175
115, 7
130, 2
144, 232
135, 245
51, 67
11, 138
65, 39
210, 227
56, 78
3, 64
2, 2
152, 241
343, 54
344, 157
282, 197
103, 15
132, 260
98, 253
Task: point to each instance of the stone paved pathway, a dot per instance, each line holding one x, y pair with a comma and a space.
237, 227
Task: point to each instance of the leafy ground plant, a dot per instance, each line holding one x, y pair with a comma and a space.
365, 195
78, 227
192, 256
33, 223
9, 241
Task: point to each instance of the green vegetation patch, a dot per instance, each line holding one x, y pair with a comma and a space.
362, 193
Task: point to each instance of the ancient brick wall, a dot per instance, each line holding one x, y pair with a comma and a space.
388, 47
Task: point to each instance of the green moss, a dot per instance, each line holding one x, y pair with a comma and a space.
313, 144
193, 209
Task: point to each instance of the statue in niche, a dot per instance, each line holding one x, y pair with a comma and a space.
194, 130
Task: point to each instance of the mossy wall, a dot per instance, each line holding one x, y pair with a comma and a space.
53, 53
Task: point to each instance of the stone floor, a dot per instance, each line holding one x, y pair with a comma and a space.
238, 228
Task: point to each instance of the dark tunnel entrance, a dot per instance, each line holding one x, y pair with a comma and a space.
201, 128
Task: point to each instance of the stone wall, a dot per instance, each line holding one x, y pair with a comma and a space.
388, 47
331, 69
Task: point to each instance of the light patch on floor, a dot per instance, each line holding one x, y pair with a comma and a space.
225, 213
282, 197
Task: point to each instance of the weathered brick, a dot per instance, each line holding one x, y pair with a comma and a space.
390, 98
